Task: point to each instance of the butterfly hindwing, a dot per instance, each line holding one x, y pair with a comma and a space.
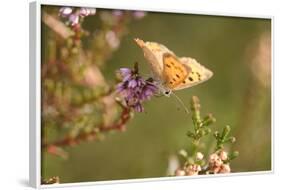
197, 74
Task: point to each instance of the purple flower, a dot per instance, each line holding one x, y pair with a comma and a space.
135, 89
86, 12
117, 13
65, 11
74, 15
73, 19
126, 73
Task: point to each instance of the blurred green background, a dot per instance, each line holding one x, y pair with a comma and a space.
237, 50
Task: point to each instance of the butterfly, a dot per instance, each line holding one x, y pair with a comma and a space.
172, 73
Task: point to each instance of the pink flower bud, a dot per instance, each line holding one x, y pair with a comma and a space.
225, 168
215, 160
193, 169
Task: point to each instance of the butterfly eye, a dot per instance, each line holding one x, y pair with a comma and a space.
167, 93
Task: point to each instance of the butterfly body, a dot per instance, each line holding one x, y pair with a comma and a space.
172, 73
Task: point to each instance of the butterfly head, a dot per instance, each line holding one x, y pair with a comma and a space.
167, 93
162, 89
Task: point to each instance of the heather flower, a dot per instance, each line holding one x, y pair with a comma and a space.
73, 19
65, 11
74, 15
86, 12
135, 89
225, 168
215, 161
223, 155
216, 164
139, 14
192, 169
199, 156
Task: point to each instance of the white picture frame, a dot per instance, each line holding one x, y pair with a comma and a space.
35, 93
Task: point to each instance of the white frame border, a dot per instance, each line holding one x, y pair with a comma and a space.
35, 92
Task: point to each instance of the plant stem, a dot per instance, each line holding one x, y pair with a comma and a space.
119, 125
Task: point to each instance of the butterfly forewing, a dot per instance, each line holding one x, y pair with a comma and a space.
174, 71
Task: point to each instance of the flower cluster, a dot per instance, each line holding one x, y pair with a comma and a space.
216, 162
135, 89
190, 169
74, 15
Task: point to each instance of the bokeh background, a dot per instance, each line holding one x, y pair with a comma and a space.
237, 50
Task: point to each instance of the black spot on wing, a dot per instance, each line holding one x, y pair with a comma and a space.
167, 65
199, 76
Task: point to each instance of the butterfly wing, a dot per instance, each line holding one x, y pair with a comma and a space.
174, 71
153, 53
198, 73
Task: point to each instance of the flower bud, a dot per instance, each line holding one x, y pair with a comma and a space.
215, 160
199, 156
216, 134
208, 120
225, 168
192, 169
226, 131
190, 134
232, 139
223, 155
183, 153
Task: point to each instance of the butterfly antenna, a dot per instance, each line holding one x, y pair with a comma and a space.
180, 102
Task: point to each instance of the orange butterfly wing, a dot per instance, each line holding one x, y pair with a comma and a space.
174, 71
